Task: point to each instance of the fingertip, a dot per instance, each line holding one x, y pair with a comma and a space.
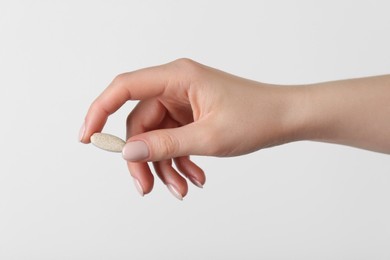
85, 137
171, 178
93, 123
134, 151
192, 171
196, 182
141, 172
175, 192
147, 188
82, 138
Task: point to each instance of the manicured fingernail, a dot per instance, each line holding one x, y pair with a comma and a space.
81, 132
135, 151
174, 192
138, 186
196, 182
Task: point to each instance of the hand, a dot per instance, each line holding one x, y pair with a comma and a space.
188, 109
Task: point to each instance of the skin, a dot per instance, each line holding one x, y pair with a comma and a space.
187, 108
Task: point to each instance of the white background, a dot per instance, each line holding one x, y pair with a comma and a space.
60, 199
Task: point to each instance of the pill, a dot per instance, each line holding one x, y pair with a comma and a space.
107, 142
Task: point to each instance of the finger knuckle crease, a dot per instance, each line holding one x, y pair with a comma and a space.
168, 144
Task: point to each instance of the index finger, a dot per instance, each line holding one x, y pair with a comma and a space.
137, 85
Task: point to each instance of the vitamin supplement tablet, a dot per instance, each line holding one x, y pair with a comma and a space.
107, 142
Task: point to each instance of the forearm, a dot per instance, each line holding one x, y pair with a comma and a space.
352, 112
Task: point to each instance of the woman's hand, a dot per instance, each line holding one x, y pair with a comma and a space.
190, 109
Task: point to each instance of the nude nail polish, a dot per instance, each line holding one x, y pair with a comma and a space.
135, 151
82, 132
174, 192
139, 187
196, 182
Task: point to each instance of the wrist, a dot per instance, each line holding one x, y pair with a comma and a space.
349, 112
313, 113
288, 111
301, 122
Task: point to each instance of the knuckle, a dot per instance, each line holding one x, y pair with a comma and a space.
167, 144
119, 79
184, 61
96, 107
186, 65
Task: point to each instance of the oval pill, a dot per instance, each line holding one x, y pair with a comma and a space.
107, 142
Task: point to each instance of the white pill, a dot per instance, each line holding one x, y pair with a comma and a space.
107, 142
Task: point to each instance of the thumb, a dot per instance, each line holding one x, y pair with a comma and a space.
169, 143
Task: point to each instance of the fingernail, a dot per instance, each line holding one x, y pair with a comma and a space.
174, 192
138, 186
196, 182
81, 132
135, 151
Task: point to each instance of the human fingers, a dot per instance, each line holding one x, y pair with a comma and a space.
138, 85
161, 144
192, 171
142, 176
151, 114
145, 115
175, 183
